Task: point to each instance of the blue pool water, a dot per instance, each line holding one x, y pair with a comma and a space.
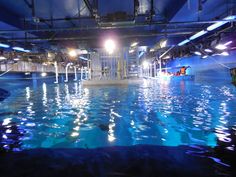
69, 115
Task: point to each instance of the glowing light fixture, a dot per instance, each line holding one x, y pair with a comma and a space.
198, 53
208, 50
225, 54
205, 56
4, 45
131, 51
43, 74
183, 42
197, 35
16, 59
221, 47
2, 58
219, 24
20, 49
134, 44
145, 65
163, 43
110, 46
72, 53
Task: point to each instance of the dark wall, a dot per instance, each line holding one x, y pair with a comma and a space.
211, 68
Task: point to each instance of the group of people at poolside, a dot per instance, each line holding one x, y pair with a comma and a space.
181, 72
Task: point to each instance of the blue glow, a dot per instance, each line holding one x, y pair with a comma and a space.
183, 42
197, 35
20, 49
219, 24
4, 45
83, 58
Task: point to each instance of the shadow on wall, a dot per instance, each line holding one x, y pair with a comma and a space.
212, 68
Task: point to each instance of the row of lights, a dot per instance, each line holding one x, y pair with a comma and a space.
20, 49
209, 29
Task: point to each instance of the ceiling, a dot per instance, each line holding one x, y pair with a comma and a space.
86, 23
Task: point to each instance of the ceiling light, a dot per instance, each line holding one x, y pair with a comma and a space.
183, 42
166, 57
221, 47
163, 43
20, 49
4, 45
2, 58
110, 46
134, 44
131, 51
225, 53
16, 59
145, 65
72, 53
208, 50
205, 56
197, 53
43, 74
227, 43
197, 35
152, 50
219, 24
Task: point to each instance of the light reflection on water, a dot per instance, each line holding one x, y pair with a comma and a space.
169, 114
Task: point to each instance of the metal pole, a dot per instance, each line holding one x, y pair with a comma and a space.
75, 79
56, 71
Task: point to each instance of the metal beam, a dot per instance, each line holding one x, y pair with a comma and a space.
89, 6
113, 27
82, 38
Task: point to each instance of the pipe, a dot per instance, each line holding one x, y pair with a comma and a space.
56, 71
67, 66
81, 73
75, 79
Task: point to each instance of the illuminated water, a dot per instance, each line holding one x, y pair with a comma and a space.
69, 115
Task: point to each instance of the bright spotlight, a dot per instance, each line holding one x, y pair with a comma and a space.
110, 46
72, 53
43, 74
145, 65
163, 44
134, 44
221, 47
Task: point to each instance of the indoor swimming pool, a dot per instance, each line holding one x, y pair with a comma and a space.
69, 115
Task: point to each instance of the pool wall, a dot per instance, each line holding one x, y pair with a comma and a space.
211, 68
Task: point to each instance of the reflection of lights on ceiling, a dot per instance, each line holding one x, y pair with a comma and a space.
43, 74
145, 65
72, 53
197, 53
134, 44
110, 46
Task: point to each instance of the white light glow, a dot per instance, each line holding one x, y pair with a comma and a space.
163, 43
197, 53
145, 65
225, 53
72, 53
110, 46
134, 44
205, 56
221, 47
43, 74
2, 58
197, 35
183, 42
208, 50
16, 59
